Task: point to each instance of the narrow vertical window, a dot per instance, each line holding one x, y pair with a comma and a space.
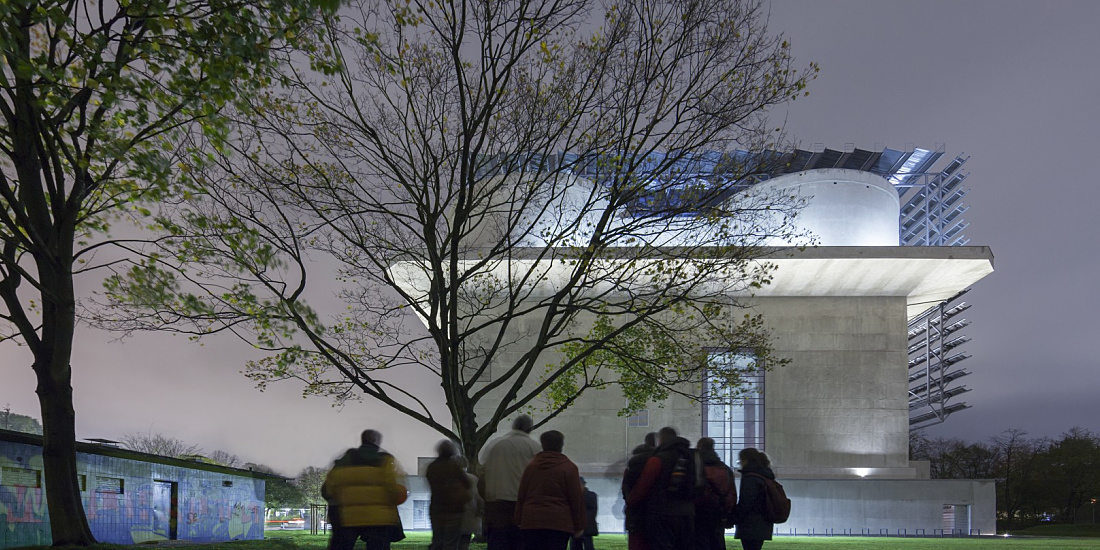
734, 417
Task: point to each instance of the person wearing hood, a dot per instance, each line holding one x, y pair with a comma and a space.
550, 504
716, 501
667, 487
753, 528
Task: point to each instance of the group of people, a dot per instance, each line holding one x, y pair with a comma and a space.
679, 497
532, 497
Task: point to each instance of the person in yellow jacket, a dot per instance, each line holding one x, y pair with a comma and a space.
363, 490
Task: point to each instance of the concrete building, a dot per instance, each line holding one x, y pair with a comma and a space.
130, 497
835, 420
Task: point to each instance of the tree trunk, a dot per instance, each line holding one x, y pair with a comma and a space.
52, 356
68, 523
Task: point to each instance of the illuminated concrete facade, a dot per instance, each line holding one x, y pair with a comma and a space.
836, 420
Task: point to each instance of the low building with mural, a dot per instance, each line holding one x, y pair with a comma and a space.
130, 497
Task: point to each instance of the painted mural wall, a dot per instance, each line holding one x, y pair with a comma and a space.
130, 501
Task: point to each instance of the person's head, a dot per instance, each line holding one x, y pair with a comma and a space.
523, 423
446, 449
666, 435
705, 444
651, 439
750, 457
552, 440
370, 437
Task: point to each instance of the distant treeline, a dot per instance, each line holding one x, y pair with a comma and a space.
19, 422
1038, 479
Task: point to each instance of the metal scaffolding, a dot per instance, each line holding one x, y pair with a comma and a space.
933, 362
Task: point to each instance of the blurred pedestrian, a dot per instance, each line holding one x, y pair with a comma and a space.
503, 461
753, 527
714, 506
365, 486
668, 486
450, 494
591, 528
474, 509
634, 515
550, 504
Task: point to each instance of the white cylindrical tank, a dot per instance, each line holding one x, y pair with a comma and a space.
842, 207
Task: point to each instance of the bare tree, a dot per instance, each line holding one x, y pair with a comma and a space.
160, 444
527, 200
225, 459
1020, 471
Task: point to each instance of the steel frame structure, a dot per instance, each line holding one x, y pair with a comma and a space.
932, 362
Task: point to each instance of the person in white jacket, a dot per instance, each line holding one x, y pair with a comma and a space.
503, 461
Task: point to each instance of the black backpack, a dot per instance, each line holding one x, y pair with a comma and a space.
728, 517
682, 476
777, 507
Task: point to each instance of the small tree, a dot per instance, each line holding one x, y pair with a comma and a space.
279, 493
309, 481
525, 200
955, 458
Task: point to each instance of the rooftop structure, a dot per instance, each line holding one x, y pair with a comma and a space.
925, 205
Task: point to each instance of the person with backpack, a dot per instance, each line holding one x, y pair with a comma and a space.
714, 506
667, 487
754, 521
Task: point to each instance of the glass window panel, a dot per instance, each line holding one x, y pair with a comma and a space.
734, 419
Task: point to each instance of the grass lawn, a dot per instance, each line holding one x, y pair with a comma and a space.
299, 540
419, 540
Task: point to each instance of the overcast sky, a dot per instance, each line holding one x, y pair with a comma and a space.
1011, 84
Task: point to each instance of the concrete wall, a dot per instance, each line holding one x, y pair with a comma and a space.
881, 505
840, 405
836, 424
842, 401
836, 506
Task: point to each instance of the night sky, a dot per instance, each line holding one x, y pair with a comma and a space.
1011, 84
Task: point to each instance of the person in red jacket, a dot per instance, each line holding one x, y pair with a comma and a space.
667, 487
550, 505
716, 499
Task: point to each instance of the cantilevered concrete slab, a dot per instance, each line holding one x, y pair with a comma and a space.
923, 275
